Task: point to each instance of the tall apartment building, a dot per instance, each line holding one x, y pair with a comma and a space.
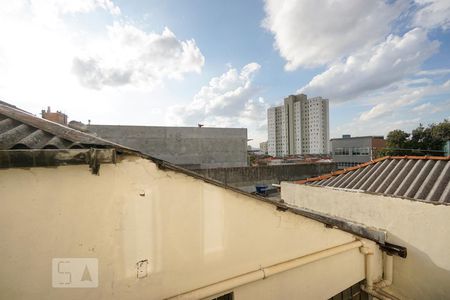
299, 126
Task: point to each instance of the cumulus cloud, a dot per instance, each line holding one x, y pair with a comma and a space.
425, 108
317, 32
228, 100
376, 127
374, 68
70, 6
390, 101
132, 56
396, 107
433, 72
432, 14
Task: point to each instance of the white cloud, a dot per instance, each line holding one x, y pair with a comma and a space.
36, 62
41, 9
392, 101
374, 68
395, 107
51, 50
434, 72
317, 32
50, 13
376, 127
404, 95
423, 108
69, 6
132, 56
432, 14
229, 100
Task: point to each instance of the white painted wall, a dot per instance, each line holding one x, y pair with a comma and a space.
424, 228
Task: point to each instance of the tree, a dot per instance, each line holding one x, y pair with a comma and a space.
397, 139
441, 131
422, 140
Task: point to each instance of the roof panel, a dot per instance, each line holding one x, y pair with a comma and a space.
366, 174
440, 184
22, 130
405, 182
427, 184
386, 171
445, 197
395, 183
375, 173
343, 179
357, 178
390, 177
421, 178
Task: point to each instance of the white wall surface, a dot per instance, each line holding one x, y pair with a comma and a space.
424, 228
191, 232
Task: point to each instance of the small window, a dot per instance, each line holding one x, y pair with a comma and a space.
228, 296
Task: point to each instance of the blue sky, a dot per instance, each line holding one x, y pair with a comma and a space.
383, 64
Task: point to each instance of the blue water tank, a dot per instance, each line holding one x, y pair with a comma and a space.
261, 188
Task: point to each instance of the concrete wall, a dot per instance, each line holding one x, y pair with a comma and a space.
246, 177
424, 228
191, 232
191, 147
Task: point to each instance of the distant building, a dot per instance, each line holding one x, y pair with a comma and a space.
299, 126
350, 151
263, 147
57, 117
189, 147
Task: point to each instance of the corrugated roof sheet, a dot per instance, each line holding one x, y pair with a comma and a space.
22, 130
416, 177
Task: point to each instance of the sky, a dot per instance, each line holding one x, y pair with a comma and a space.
383, 65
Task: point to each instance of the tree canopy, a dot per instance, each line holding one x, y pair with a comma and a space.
422, 140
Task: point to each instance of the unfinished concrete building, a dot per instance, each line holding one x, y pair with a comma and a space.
189, 147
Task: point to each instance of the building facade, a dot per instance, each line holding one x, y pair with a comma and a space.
351, 151
263, 147
299, 126
57, 117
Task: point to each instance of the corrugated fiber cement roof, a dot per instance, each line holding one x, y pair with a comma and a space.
415, 177
22, 130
